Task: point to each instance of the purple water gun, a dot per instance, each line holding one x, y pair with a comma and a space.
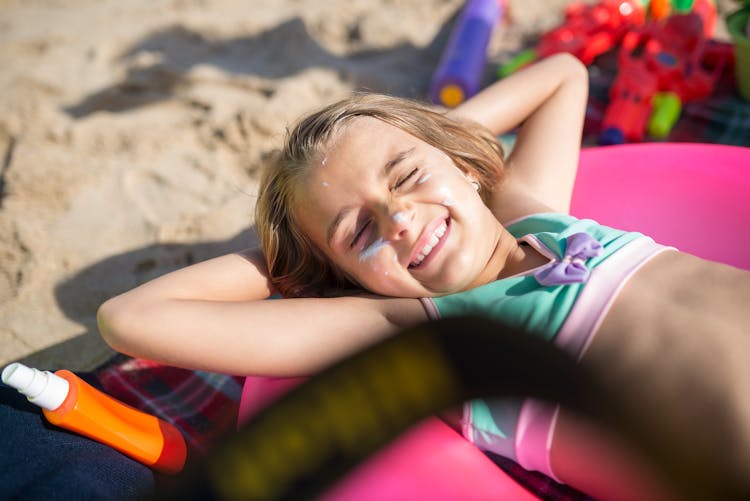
460, 70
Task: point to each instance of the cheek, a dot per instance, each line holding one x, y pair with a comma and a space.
447, 192
434, 186
376, 258
370, 253
448, 199
423, 179
374, 267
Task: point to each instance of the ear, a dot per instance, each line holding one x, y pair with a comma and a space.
471, 180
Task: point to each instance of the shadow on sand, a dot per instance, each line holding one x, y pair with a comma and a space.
80, 295
280, 52
404, 70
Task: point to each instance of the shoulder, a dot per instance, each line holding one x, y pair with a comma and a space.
512, 201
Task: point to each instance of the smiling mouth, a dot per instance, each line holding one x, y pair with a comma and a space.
431, 244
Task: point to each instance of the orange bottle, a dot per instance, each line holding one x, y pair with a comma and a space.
69, 402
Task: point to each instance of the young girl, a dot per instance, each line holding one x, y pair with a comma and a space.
381, 213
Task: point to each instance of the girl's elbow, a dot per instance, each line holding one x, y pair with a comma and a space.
112, 318
571, 62
569, 68
576, 70
574, 77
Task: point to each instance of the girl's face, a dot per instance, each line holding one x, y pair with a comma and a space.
397, 215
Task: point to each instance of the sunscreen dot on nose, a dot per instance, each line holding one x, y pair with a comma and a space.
325, 184
399, 217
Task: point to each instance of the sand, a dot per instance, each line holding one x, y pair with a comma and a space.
132, 134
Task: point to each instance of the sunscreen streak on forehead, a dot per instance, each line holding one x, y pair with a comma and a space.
372, 250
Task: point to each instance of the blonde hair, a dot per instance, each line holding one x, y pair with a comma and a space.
296, 266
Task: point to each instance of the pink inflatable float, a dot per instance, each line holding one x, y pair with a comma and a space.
693, 196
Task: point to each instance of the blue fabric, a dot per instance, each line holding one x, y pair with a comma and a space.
41, 461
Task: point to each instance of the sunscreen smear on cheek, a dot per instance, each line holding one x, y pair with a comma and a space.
372, 250
448, 199
69, 402
424, 178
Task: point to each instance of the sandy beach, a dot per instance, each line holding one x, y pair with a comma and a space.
132, 133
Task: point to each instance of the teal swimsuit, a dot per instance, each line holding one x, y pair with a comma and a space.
563, 301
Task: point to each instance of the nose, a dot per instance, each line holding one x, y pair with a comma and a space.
397, 222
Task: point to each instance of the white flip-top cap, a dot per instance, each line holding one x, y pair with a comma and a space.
42, 388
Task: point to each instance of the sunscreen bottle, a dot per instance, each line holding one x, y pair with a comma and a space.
69, 402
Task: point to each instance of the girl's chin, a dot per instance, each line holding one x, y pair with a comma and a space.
447, 282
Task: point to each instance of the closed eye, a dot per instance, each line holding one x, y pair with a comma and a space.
405, 179
359, 234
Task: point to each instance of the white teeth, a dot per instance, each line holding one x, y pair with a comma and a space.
434, 239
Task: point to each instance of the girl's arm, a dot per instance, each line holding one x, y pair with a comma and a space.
548, 101
211, 316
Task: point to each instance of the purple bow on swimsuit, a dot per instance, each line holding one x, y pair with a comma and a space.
571, 268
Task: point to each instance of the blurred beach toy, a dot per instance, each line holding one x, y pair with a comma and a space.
430, 461
738, 25
662, 66
587, 31
459, 73
695, 197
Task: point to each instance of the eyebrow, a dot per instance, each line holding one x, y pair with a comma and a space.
387, 168
393, 162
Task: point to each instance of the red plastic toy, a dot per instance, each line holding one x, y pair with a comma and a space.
591, 30
661, 66
586, 32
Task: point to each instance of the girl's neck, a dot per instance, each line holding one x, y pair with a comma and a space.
521, 258
509, 258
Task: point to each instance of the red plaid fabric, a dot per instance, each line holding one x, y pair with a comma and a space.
203, 405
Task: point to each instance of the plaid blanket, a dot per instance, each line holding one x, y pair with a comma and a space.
204, 405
